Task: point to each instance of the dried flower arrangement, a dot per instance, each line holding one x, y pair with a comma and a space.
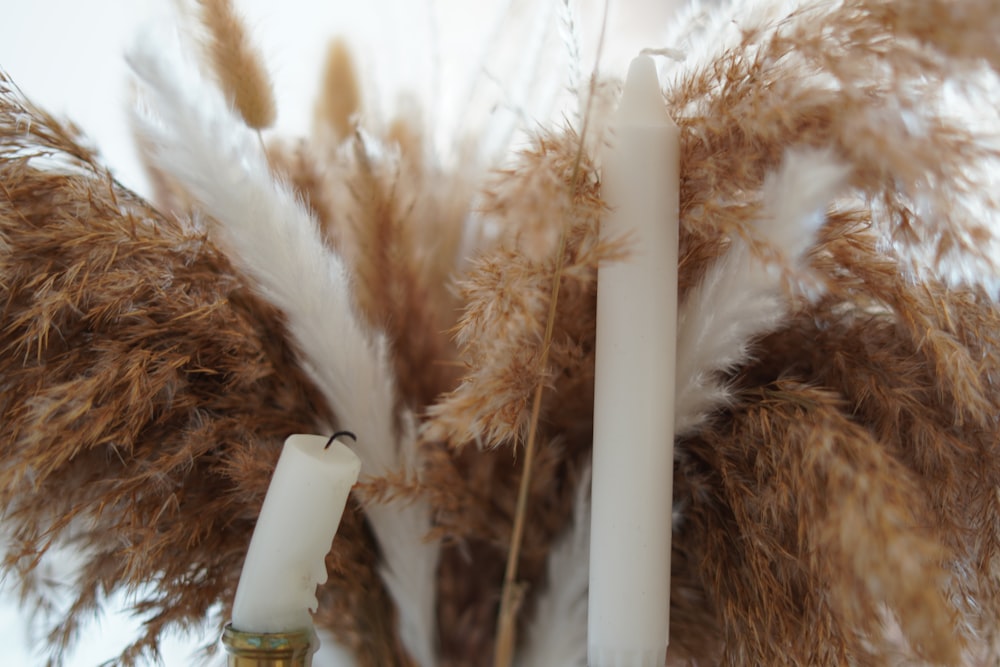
836, 484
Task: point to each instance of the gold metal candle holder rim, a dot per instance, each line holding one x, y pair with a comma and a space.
271, 649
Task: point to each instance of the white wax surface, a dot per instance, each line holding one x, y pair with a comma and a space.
300, 515
629, 599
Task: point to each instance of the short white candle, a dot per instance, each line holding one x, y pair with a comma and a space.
286, 558
629, 599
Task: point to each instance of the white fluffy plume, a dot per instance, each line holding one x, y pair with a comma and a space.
271, 236
558, 635
742, 297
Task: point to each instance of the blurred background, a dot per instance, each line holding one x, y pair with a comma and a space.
478, 71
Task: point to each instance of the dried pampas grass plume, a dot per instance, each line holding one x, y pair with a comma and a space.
837, 465
238, 66
130, 405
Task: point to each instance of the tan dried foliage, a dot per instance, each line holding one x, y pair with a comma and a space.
299, 165
398, 223
854, 479
401, 238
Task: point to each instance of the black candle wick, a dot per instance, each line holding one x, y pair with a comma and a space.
337, 435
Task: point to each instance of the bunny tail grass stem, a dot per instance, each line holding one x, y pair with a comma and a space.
513, 593
557, 637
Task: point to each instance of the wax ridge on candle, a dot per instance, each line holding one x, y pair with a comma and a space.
334, 456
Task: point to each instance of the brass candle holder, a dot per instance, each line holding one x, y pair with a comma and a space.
269, 649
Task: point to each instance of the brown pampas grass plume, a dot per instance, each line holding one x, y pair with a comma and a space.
836, 473
182, 393
237, 65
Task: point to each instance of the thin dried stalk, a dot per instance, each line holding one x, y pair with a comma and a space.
512, 594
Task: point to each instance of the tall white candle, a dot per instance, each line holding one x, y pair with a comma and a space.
286, 558
629, 599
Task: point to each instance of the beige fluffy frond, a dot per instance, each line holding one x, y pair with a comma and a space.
506, 293
238, 66
340, 94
